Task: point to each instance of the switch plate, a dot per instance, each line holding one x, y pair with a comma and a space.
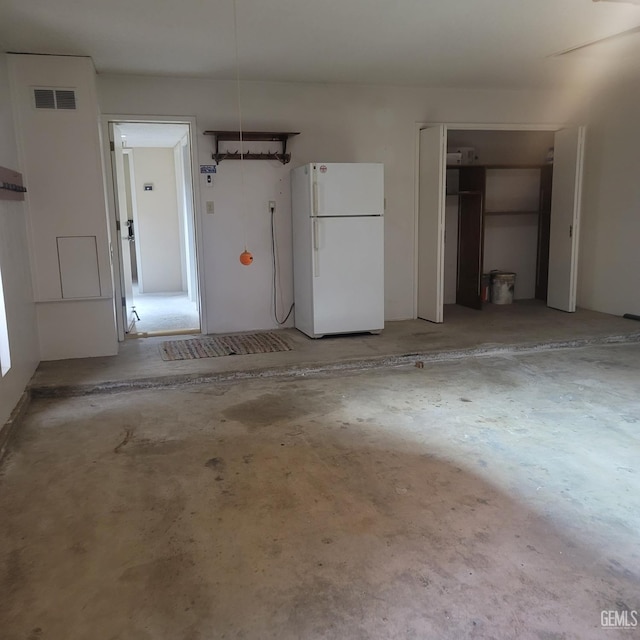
210, 206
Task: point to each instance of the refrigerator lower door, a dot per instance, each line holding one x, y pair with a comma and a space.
348, 275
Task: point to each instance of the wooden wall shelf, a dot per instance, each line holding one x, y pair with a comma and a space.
11, 187
251, 136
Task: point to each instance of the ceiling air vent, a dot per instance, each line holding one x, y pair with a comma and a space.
55, 98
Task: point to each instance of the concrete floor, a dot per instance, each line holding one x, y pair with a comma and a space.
494, 497
524, 325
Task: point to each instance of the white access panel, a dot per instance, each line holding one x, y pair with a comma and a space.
348, 275
78, 263
565, 218
348, 189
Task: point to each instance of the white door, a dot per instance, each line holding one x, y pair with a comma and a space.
431, 217
565, 218
348, 189
192, 275
123, 215
348, 274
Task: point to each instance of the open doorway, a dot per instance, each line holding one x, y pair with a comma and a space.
503, 199
153, 187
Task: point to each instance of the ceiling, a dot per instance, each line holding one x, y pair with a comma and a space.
452, 43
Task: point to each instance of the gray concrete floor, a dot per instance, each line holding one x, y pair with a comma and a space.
490, 497
527, 324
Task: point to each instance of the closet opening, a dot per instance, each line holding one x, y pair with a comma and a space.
497, 220
497, 215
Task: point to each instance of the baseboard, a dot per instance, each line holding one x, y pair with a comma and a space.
11, 426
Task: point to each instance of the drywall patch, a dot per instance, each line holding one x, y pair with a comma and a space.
79, 270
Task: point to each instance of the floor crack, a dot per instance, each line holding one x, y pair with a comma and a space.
127, 436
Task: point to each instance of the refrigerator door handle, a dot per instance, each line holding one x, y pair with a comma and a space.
315, 198
316, 247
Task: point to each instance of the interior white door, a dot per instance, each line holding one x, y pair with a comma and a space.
431, 218
123, 215
565, 218
192, 276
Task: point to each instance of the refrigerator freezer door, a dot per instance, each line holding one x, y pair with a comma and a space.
348, 189
348, 275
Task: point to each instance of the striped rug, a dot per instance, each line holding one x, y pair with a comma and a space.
214, 346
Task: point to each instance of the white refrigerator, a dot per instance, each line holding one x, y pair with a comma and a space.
338, 247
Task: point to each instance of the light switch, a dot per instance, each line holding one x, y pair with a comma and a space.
210, 206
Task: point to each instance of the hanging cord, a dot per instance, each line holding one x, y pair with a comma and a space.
274, 255
243, 199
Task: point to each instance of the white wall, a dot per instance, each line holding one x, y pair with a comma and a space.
158, 233
239, 297
511, 244
59, 153
14, 264
338, 123
511, 239
609, 278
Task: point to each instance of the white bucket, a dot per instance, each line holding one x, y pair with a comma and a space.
502, 286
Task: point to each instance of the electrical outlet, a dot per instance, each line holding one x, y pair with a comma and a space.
210, 206
272, 205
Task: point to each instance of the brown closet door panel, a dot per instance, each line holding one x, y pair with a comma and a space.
470, 236
544, 230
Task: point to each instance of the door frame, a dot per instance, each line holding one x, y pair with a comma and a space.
116, 259
459, 126
431, 233
134, 205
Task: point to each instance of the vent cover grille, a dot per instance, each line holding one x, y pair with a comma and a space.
65, 99
55, 99
44, 98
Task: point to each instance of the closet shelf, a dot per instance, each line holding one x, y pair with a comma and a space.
498, 166
511, 213
251, 136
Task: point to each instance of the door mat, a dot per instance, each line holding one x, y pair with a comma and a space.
214, 346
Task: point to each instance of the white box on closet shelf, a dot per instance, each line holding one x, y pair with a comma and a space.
467, 154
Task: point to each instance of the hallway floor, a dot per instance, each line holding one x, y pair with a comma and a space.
164, 312
482, 498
